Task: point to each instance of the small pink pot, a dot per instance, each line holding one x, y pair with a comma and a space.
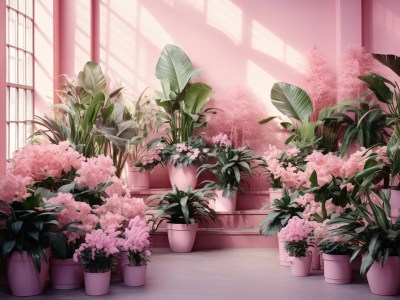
97, 284
138, 180
301, 266
65, 274
135, 275
181, 237
315, 262
385, 280
225, 204
182, 177
337, 269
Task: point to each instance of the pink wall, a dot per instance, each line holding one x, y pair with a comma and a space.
3, 149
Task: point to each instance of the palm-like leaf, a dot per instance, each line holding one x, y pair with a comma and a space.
92, 78
389, 60
291, 100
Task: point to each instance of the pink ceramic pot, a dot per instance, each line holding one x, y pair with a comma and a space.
337, 269
23, 277
385, 280
135, 275
97, 284
274, 194
138, 180
315, 261
394, 204
182, 176
225, 204
65, 274
123, 260
181, 237
284, 258
301, 266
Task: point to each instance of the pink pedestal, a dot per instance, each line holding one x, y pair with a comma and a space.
65, 274
182, 176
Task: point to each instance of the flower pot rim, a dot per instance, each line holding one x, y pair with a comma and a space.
175, 226
336, 257
106, 271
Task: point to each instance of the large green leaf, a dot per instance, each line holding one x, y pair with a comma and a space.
92, 78
291, 100
175, 66
389, 60
377, 84
196, 96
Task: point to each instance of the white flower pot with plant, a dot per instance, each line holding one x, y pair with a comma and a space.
182, 209
297, 235
135, 241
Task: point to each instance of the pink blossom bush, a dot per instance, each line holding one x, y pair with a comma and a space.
45, 160
13, 188
99, 250
193, 151
221, 139
136, 242
298, 238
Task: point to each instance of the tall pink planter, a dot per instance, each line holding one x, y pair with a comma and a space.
97, 284
274, 194
384, 280
337, 268
65, 274
225, 204
315, 262
138, 180
23, 277
394, 203
182, 176
135, 275
181, 237
301, 266
284, 258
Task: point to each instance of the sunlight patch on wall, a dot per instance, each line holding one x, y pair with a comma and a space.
258, 79
226, 17
153, 31
267, 42
197, 4
82, 34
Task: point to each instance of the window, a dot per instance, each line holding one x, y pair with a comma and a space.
19, 77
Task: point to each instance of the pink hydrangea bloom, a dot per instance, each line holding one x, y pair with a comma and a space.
221, 139
95, 171
136, 236
296, 230
13, 188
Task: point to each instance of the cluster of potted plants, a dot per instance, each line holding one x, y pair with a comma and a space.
348, 201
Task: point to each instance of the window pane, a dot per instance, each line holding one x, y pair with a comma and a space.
21, 105
12, 65
21, 6
21, 67
12, 27
21, 31
29, 70
7, 103
29, 9
13, 104
7, 24
21, 135
13, 3
29, 105
7, 65
8, 140
13, 138
28, 45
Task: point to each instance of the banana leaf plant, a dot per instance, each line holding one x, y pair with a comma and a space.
182, 102
369, 229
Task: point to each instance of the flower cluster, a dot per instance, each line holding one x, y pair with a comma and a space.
136, 242
152, 157
297, 235
187, 153
13, 188
221, 140
45, 160
99, 250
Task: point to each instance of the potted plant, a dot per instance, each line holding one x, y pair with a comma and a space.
374, 236
28, 228
181, 101
297, 235
135, 244
182, 159
182, 209
231, 168
97, 254
336, 256
280, 211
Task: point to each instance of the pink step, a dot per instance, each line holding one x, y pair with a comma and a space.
219, 238
236, 219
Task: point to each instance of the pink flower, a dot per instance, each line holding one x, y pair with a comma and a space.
136, 236
296, 230
221, 140
13, 188
95, 171
176, 156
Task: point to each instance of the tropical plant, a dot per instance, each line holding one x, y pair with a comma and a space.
329, 246
183, 102
232, 168
181, 207
298, 237
281, 211
370, 230
31, 226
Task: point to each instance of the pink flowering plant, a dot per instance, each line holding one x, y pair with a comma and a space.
136, 242
99, 250
298, 237
191, 152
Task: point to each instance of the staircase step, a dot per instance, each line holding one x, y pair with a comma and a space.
219, 238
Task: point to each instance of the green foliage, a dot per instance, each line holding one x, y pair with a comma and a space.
184, 158
231, 169
100, 263
31, 226
333, 247
370, 231
281, 211
183, 102
138, 258
181, 207
299, 248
